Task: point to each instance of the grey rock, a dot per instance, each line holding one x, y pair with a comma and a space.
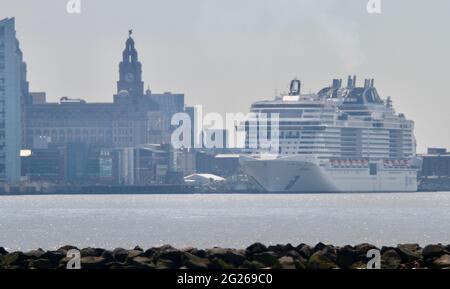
85, 252
232, 256
135, 253
217, 263
255, 248
66, 248
15, 259
53, 256
390, 259
409, 252
346, 256
165, 264
268, 258
115, 265
321, 260
320, 246
362, 249
294, 254
432, 251
191, 261
285, 262
108, 256
305, 251
120, 254
174, 255
138, 248
93, 262
251, 265
3, 251
44, 264
442, 262
35, 254
142, 262
197, 252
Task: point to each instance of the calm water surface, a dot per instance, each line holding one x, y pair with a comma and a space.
109, 221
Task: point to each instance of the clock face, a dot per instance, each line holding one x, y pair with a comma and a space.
129, 77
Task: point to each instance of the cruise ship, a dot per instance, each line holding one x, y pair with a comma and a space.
341, 139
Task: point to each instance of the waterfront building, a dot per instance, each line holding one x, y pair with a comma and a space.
13, 93
133, 118
436, 164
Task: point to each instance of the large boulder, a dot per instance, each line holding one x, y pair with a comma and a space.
220, 264
108, 256
432, 251
138, 248
3, 251
194, 251
232, 256
120, 254
15, 260
361, 251
390, 259
171, 254
44, 264
115, 265
86, 252
442, 262
165, 264
54, 256
305, 250
35, 254
346, 256
93, 262
251, 265
268, 258
280, 248
319, 246
141, 262
285, 262
255, 248
294, 254
321, 260
135, 253
409, 252
191, 261
67, 248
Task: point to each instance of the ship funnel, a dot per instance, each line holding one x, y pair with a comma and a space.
351, 82
337, 83
295, 87
368, 82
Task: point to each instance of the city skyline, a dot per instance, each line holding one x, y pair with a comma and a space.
227, 68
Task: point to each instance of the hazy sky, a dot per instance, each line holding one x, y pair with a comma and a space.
226, 54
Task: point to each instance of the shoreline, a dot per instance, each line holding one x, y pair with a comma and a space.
255, 256
206, 193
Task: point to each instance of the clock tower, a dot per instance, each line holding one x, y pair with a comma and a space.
130, 84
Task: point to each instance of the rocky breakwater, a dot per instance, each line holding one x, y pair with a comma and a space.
256, 256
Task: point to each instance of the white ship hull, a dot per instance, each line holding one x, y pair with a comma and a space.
308, 174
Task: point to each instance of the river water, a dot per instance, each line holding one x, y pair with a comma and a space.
230, 220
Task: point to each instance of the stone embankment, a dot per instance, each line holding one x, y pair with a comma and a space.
256, 256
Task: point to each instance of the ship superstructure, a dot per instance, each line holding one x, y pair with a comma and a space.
341, 139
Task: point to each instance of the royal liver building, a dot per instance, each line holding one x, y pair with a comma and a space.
135, 116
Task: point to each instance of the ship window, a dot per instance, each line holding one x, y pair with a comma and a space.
373, 169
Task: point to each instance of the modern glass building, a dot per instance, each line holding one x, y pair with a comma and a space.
13, 91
